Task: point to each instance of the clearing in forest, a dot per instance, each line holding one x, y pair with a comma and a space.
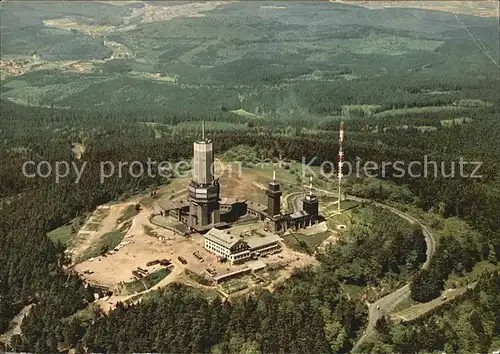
103, 222
144, 242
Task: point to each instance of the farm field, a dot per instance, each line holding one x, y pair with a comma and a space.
477, 8
220, 52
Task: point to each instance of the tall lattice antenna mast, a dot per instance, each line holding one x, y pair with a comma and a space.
341, 163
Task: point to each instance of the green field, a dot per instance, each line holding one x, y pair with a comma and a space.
154, 295
469, 277
144, 283
148, 230
107, 242
306, 243
62, 234
129, 213
65, 233
354, 212
198, 278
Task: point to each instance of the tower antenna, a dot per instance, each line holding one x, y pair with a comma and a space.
310, 185
274, 175
341, 162
203, 130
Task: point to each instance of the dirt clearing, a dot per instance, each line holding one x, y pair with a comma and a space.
103, 220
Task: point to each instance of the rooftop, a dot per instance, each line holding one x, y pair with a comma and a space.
298, 214
232, 201
260, 240
234, 272
170, 205
229, 239
256, 265
310, 197
256, 206
223, 238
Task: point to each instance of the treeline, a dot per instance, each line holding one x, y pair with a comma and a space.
32, 206
116, 140
452, 256
305, 315
32, 273
469, 325
401, 90
274, 91
381, 244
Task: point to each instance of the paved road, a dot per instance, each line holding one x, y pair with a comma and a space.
297, 202
15, 325
390, 301
418, 310
429, 237
294, 201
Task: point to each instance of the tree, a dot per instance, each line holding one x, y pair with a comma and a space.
381, 348
70, 333
5, 313
250, 348
382, 326
79, 348
335, 335
426, 286
492, 258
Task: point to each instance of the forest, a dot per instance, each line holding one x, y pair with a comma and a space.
380, 247
31, 207
266, 82
467, 326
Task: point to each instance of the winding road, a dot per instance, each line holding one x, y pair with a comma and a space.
386, 304
294, 201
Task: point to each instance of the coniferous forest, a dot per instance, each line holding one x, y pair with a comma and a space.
267, 83
309, 313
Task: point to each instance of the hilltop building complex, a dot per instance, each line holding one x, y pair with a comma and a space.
205, 212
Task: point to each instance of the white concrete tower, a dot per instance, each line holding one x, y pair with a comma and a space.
203, 160
204, 190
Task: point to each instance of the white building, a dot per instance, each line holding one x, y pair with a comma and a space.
237, 248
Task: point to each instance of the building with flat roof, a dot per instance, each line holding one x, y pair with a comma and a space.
236, 248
